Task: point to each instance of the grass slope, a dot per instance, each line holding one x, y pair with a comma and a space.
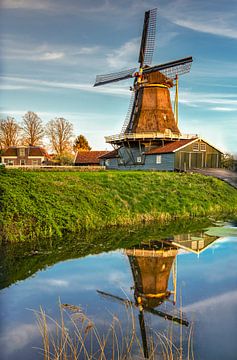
42, 204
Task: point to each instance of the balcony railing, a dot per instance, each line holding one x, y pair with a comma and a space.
148, 136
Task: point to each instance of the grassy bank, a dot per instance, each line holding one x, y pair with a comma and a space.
44, 204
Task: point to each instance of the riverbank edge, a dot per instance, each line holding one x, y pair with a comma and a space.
38, 205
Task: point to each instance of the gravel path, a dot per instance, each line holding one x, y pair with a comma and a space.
226, 175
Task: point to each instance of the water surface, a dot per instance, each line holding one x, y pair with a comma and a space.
155, 268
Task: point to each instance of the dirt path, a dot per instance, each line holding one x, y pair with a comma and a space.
226, 175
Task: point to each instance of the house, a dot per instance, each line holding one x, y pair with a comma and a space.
24, 155
180, 155
88, 158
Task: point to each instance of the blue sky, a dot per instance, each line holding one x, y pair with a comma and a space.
53, 49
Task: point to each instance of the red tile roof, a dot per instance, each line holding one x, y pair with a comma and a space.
36, 151
89, 157
33, 151
110, 154
171, 147
11, 151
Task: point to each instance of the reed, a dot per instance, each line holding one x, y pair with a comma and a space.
75, 336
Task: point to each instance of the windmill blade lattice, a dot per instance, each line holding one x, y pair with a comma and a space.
148, 38
129, 113
151, 36
113, 77
172, 68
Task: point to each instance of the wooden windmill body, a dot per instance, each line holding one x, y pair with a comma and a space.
152, 110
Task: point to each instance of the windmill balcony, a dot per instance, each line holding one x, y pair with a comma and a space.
113, 139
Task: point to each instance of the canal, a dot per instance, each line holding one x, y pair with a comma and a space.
174, 287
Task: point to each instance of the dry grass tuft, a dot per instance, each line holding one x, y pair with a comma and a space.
75, 336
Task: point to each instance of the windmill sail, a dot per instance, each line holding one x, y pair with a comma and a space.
129, 113
148, 38
113, 77
172, 68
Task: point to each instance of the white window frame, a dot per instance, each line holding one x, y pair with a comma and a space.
203, 147
22, 160
195, 147
35, 162
158, 159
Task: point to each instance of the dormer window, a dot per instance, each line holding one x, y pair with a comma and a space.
22, 152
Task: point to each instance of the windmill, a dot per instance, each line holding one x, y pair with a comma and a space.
150, 118
151, 266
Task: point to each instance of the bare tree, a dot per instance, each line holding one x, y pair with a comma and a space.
9, 132
60, 132
32, 128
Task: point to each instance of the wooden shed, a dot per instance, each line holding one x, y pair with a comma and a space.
187, 154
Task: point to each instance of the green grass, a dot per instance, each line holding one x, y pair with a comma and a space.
44, 204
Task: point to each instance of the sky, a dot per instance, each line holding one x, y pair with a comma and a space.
52, 50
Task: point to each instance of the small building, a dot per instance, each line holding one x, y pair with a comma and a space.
24, 155
89, 158
179, 155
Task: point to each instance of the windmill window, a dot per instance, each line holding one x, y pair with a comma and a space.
158, 159
203, 147
139, 159
196, 147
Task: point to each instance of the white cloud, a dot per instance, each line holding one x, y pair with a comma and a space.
55, 282
26, 4
18, 337
204, 305
118, 90
125, 56
16, 48
103, 8
219, 108
203, 17
194, 99
51, 56
12, 87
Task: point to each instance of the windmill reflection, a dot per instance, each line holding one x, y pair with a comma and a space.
154, 268
151, 265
